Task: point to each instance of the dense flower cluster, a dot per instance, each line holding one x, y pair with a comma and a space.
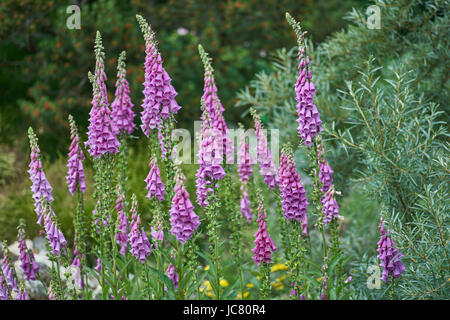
122, 223
293, 194
389, 255
214, 107
101, 138
54, 235
264, 245
159, 95
210, 158
122, 108
28, 263
155, 186
184, 221
9, 273
140, 246
75, 173
264, 156
41, 188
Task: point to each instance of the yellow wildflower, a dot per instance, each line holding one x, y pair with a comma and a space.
279, 266
206, 268
224, 283
249, 285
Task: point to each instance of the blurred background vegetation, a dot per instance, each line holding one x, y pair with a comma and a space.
43, 78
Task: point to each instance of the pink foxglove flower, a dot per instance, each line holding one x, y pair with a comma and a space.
75, 174
264, 156
183, 219
54, 235
122, 224
101, 138
28, 263
309, 123
140, 246
22, 295
155, 186
159, 95
172, 274
77, 268
325, 171
9, 273
264, 245
42, 191
122, 107
98, 266
244, 161
293, 194
214, 107
389, 255
330, 206
3, 289
245, 204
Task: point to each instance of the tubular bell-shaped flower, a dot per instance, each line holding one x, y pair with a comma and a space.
330, 206
264, 245
214, 107
55, 238
293, 194
389, 255
210, 158
75, 173
155, 186
8, 271
101, 138
140, 246
77, 267
264, 156
28, 263
159, 95
122, 223
184, 221
325, 171
172, 274
42, 191
122, 108
309, 123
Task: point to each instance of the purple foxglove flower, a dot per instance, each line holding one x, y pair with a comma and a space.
309, 124
159, 95
75, 174
348, 279
140, 246
389, 255
330, 206
26, 257
9, 273
264, 245
293, 194
245, 204
203, 190
122, 107
157, 235
302, 297
293, 291
325, 171
54, 236
3, 289
244, 161
172, 274
101, 138
42, 191
122, 228
214, 107
183, 219
77, 267
22, 295
155, 186
264, 156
